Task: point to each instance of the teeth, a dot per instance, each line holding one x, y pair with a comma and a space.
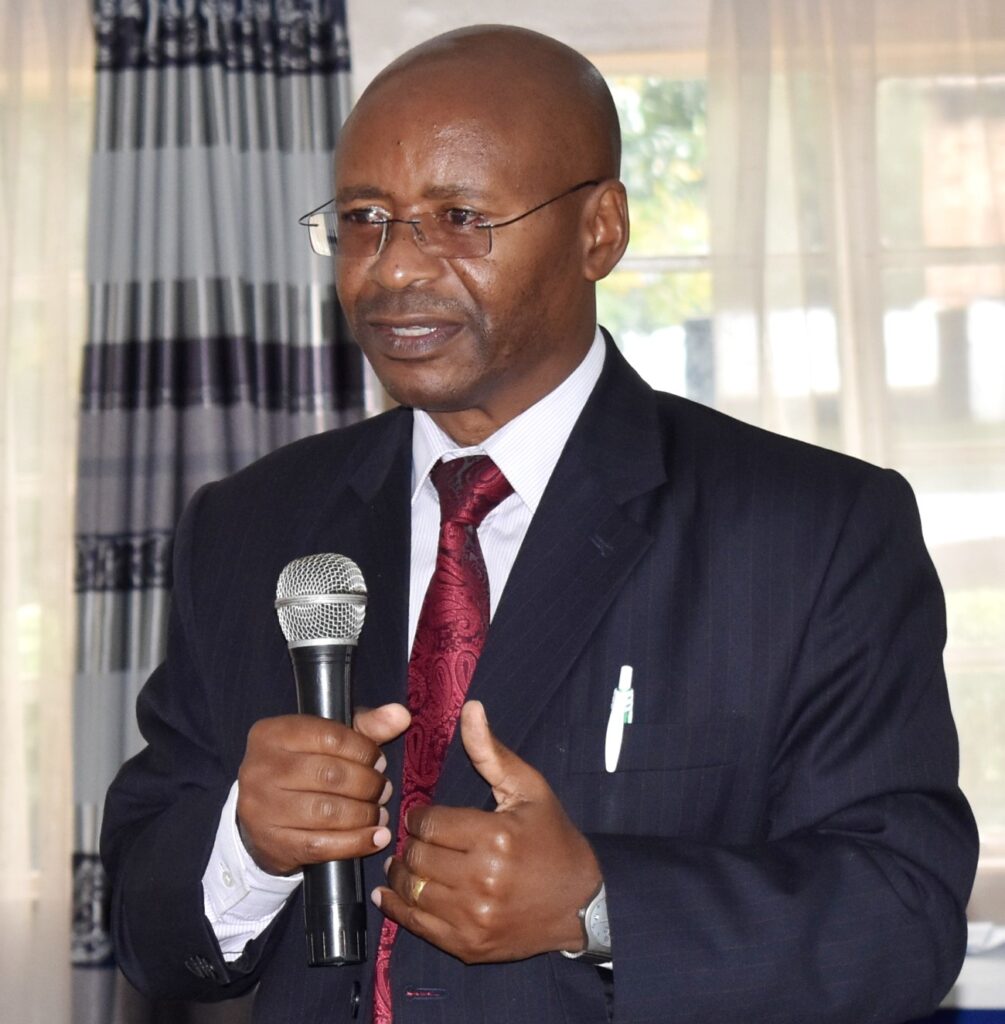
412, 332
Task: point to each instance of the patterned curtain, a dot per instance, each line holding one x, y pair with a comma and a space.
214, 334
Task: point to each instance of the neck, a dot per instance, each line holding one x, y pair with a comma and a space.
472, 426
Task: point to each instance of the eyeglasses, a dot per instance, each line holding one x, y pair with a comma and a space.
451, 234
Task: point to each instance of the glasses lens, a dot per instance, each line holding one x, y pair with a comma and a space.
357, 239
330, 238
321, 232
441, 237
434, 234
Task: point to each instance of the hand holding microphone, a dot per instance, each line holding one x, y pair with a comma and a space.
311, 785
312, 792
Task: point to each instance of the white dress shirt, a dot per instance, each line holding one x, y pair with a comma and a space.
240, 898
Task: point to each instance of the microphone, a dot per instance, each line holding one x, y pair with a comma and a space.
321, 602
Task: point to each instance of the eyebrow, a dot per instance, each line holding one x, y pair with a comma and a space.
354, 193
452, 191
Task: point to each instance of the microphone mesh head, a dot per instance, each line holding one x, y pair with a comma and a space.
321, 597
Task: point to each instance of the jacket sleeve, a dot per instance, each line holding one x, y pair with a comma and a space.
161, 817
852, 907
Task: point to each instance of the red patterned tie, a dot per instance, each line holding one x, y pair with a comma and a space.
448, 641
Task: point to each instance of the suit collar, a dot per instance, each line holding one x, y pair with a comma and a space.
619, 438
380, 454
366, 518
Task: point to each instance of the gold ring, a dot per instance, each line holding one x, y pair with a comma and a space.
418, 884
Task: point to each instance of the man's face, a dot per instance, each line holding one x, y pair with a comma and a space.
473, 341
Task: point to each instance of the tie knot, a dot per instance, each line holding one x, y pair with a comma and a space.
469, 488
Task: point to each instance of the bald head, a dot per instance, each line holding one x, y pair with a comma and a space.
522, 82
481, 169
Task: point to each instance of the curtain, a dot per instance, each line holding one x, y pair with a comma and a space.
45, 98
793, 205
857, 210
213, 336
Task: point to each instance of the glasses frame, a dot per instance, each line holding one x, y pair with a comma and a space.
417, 236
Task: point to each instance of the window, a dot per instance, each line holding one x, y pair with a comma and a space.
941, 138
930, 368
658, 301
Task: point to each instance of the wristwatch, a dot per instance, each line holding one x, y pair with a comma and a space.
596, 930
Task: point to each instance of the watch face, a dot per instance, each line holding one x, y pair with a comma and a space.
598, 927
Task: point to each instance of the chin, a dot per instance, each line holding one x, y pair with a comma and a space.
417, 397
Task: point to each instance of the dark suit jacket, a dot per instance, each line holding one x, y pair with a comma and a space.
783, 839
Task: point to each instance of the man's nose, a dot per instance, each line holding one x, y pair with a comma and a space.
401, 263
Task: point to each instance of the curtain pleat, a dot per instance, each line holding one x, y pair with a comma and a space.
46, 55
214, 336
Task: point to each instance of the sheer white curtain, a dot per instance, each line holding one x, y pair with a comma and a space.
45, 126
857, 206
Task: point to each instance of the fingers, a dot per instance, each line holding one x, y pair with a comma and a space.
281, 758
433, 862
489, 886
413, 916
313, 790
418, 903
322, 774
432, 879
417, 889
452, 828
328, 811
307, 734
282, 835
302, 847
446, 915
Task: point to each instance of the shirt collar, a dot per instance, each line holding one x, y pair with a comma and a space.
528, 447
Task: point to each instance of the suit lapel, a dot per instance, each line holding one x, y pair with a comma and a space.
579, 551
369, 520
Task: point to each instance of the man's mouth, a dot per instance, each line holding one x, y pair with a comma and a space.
412, 337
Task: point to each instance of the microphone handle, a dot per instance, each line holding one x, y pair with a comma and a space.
334, 911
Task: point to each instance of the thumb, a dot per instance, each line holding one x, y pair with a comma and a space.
382, 724
513, 781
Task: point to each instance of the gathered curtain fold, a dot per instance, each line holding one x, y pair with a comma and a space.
45, 103
45, 97
213, 335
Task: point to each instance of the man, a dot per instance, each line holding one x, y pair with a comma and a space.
776, 825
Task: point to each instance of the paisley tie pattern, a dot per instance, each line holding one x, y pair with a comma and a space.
448, 641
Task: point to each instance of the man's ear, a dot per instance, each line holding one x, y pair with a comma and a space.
605, 229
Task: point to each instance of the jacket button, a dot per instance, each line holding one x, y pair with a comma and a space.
354, 1000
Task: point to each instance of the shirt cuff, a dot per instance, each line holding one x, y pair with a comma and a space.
239, 898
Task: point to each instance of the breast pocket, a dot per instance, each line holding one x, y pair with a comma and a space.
657, 746
671, 779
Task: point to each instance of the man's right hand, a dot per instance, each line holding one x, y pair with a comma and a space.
312, 790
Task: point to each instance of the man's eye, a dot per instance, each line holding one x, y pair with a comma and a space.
457, 217
364, 215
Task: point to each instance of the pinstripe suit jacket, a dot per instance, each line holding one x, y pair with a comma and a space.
783, 839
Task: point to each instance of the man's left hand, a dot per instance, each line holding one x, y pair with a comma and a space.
493, 886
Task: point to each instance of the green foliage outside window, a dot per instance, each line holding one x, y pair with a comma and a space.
663, 124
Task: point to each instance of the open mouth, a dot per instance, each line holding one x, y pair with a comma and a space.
413, 338
417, 331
